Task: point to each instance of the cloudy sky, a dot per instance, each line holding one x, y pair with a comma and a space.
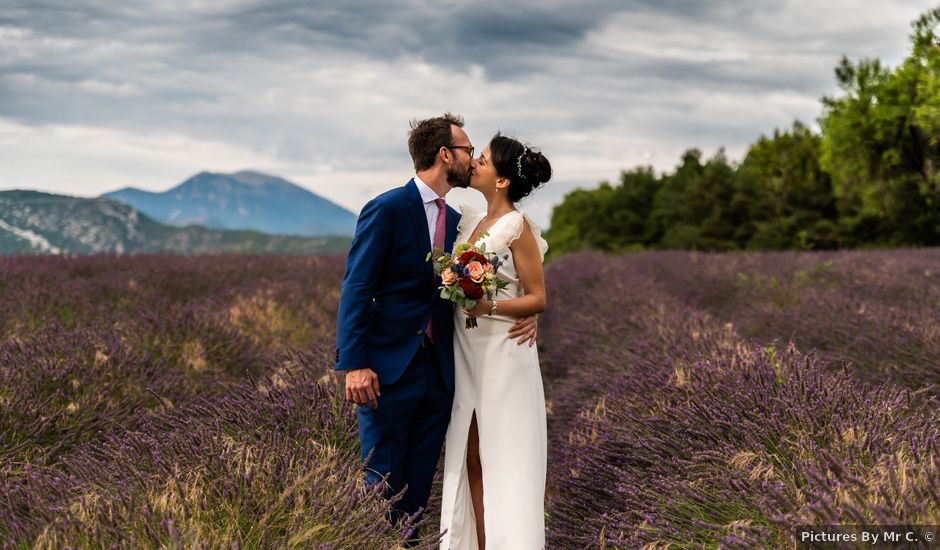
99, 94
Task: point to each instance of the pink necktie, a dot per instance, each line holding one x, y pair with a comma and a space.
439, 232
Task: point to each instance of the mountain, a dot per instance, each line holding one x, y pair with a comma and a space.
243, 200
35, 222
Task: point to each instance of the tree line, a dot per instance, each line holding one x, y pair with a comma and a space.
870, 177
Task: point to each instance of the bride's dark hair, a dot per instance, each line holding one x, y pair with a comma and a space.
525, 168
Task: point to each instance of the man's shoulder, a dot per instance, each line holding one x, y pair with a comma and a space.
389, 198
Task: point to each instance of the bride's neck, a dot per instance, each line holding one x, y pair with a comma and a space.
497, 205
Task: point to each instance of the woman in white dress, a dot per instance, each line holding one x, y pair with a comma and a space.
494, 464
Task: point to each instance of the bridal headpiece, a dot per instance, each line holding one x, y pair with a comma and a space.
525, 150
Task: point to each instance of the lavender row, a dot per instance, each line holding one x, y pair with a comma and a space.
92, 343
669, 427
270, 463
168, 401
273, 299
877, 313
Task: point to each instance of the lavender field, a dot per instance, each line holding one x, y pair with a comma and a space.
695, 400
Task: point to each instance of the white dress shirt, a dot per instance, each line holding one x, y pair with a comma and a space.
430, 206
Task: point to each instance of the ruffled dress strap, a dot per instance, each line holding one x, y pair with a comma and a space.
513, 229
469, 219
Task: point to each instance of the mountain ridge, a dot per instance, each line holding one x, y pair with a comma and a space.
246, 199
37, 222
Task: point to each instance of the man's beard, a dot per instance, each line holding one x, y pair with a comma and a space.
458, 176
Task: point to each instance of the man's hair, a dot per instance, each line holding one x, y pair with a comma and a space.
428, 136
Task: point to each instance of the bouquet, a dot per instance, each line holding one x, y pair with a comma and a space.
467, 275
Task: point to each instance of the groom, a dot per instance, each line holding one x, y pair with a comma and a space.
394, 336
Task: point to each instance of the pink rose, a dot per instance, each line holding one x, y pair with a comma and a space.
448, 277
475, 271
488, 268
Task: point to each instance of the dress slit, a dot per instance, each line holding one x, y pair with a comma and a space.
463, 519
472, 515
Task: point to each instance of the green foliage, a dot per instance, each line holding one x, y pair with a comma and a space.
608, 218
884, 171
870, 177
691, 209
783, 196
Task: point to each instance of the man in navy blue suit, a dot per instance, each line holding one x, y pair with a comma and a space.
394, 335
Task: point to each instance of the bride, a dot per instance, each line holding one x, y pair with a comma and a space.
494, 463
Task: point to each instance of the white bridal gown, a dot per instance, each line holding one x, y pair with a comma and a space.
501, 381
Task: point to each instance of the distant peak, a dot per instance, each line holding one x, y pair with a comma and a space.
252, 173
123, 190
252, 177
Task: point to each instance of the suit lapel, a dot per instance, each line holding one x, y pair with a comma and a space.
419, 222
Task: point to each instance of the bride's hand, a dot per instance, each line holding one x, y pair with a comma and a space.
482, 308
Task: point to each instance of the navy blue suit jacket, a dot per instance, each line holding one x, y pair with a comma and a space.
390, 290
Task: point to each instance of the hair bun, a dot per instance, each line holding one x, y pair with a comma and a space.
535, 168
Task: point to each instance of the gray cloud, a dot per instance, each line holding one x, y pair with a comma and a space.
322, 92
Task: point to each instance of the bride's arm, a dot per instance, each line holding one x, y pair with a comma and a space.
528, 262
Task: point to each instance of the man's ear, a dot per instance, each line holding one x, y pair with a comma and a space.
445, 154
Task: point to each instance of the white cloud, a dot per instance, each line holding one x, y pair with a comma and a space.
88, 161
96, 95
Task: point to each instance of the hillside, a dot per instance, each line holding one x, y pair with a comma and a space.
32, 222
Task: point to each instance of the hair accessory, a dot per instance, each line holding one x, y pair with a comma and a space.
519, 161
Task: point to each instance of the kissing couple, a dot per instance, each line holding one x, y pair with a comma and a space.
418, 377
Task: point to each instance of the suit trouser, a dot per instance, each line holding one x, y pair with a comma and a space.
407, 431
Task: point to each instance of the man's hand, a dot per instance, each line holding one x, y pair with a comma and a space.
526, 329
362, 387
